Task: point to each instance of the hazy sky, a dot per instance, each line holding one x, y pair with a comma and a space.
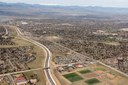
105, 3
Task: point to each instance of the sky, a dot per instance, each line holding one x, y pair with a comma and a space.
103, 3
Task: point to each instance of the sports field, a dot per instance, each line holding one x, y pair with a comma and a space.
85, 71
73, 77
92, 81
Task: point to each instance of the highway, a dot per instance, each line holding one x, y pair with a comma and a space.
6, 31
47, 70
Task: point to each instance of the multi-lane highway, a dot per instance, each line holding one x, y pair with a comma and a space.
47, 70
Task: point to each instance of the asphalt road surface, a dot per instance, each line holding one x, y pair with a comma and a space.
47, 70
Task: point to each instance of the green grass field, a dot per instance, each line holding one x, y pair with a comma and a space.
73, 77
92, 81
85, 71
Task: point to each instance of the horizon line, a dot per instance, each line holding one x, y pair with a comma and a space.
62, 5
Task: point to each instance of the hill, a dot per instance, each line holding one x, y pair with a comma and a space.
49, 11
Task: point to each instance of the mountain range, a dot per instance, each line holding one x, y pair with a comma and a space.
56, 11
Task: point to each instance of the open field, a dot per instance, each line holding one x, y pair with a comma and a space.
40, 76
92, 81
73, 77
97, 74
39, 62
85, 71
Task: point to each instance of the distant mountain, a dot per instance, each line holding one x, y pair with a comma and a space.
43, 11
